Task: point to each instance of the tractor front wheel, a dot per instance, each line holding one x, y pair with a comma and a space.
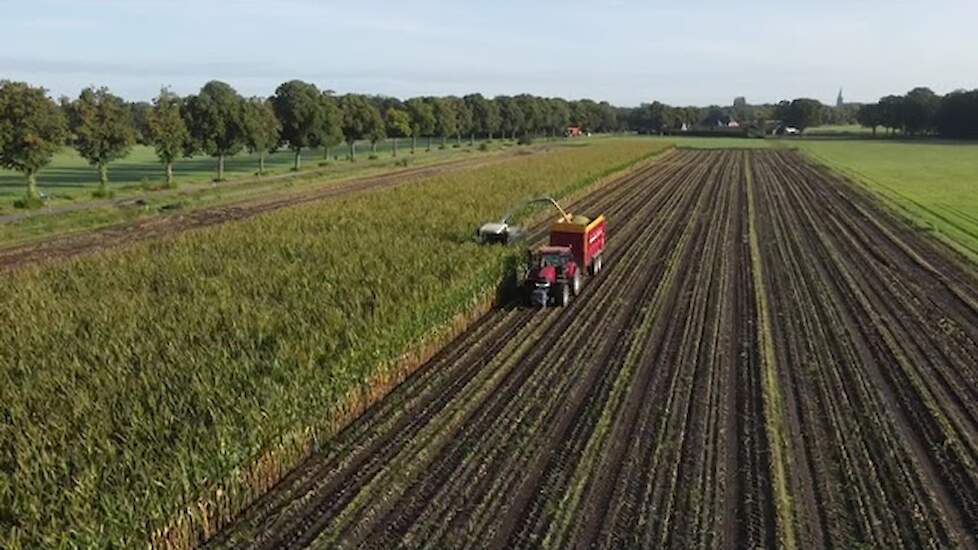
576, 288
563, 296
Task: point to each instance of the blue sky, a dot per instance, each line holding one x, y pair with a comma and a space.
623, 51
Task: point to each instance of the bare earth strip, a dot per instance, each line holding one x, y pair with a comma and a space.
663, 408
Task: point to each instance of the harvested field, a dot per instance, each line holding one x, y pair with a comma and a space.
767, 360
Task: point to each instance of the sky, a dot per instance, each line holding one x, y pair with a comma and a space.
623, 51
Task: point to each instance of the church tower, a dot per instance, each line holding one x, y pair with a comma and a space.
839, 102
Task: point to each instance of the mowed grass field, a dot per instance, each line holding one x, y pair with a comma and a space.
70, 177
136, 381
934, 183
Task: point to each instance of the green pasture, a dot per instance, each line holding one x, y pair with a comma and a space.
933, 182
69, 177
840, 129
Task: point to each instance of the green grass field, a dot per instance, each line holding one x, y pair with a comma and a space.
935, 183
69, 177
838, 129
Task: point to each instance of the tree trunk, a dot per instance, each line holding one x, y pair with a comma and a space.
429, 144
373, 148
220, 167
326, 152
458, 139
32, 185
169, 174
297, 162
261, 163
395, 147
414, 143
353, 151
472, 140
490, 136
443, 140
103, 178
874, 131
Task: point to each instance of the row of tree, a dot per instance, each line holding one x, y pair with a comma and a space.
219, 122
800, 113
921, 111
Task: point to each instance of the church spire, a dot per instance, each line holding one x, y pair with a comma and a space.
839, 101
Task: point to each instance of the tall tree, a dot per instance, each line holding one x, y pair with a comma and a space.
261, 129
398, 125
493, 119
957, 115
445, 121
32, 130
167, 131
919, 108
103, 131
608, 117
463, 119
891, 112
214, 119
478, 108
299, 108
869, 116
533, 114
558, 116
801, 113
511, 116
422, 121
586, 114
332, 129
361, 120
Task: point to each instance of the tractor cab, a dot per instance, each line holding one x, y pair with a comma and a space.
553, 275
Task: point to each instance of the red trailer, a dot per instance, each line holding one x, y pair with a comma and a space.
556, 270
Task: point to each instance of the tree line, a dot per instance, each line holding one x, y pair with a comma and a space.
801, 113
220, 122
921, 111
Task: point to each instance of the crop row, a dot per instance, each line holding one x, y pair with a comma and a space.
767, 360
137, 382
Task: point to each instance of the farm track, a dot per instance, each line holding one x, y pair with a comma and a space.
643, 415
66, 246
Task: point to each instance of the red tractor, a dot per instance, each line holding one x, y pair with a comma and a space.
556, 270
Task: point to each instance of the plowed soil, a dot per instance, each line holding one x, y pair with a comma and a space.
768, 360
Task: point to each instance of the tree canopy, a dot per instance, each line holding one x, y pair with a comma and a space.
261, 129
214, 118
103, 129
167, 130
299, 108
32, 130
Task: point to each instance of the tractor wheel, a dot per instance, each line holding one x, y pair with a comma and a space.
576, 288
597, 263
563, 298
